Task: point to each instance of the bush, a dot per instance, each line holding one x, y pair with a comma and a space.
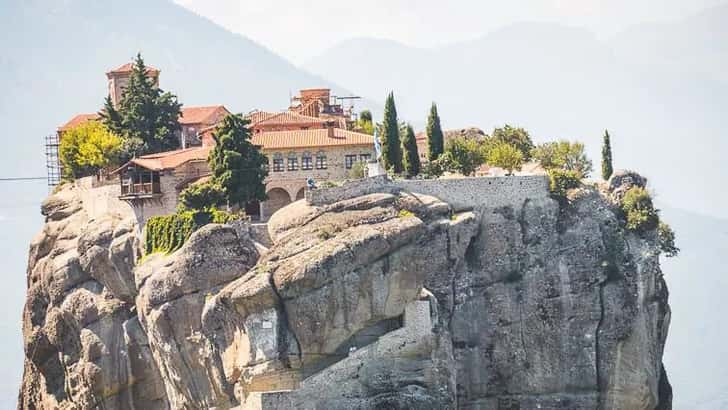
202, 196
87, 148
359, 170
506, 156
638, 210
563, 154
167, 233
462, 155
561, 181
666, 238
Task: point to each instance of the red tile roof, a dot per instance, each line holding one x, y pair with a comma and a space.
128, 67
202, 115
171, 159
313, 138
289, 118
78, 120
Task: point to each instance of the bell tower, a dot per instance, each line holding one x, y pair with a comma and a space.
119, 79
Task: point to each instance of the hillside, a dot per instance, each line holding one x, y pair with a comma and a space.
563, 82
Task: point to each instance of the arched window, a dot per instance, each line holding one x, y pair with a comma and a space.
306, 161
320, 160
292, 161
277, 162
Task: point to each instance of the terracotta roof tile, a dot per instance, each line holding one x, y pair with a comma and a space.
171, 159
128, 67
313, 138
78, 120
202, 115
290, 118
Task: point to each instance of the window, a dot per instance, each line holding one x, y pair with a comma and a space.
306, 161
365, 157
278, 163
292, 162
349, 161
320, 160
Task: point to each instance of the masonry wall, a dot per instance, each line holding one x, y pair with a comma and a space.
461, 193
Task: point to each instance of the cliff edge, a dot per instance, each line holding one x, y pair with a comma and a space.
391, 298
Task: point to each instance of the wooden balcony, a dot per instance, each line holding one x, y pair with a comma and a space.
140, 190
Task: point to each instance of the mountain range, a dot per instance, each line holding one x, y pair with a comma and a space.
661, 89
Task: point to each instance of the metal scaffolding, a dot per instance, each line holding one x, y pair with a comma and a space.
53, 163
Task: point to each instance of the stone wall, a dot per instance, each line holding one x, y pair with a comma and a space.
461, 193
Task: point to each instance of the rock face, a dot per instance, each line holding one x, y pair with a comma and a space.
388, 300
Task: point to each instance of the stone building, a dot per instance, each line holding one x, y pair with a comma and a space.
119, 79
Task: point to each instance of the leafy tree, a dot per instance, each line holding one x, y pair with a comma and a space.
365, 115
565, 155
435, 138
237, 165
411, 156
462, 155
638, 210
607, 169
147, 118
87, 148
364, 123
506, 156
391, 148
562, 180
202, 196
518, 137
666, 238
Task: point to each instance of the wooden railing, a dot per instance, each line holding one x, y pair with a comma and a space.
141, 189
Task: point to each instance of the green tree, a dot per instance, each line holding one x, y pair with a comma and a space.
237, 165
87, 148
359, 170
506, 156
391, 147
435, 138
638, 210
565, 155
147, 118
411, 156
364, 123
607, 169
202, 196
462, 155
516, 136
666, 238
562, 180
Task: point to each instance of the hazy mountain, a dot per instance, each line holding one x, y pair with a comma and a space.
666, 120
696, 351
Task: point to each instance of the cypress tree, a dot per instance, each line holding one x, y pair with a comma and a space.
435, 139
147, 118
606, 157
391, 148
411, 156
237, 165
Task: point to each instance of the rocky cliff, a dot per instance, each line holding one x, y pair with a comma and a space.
387, 300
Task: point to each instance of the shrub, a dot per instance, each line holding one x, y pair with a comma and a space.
202, 196
666, 238
87, 148
563, 154
638, 210
561, 181
167, 233
462, 155
506, 156
359, 170
404, 213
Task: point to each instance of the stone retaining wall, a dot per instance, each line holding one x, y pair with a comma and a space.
461, 193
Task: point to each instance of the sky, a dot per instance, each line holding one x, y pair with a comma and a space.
320, 24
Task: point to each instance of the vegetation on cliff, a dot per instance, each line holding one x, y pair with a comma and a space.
167, 233
87, 148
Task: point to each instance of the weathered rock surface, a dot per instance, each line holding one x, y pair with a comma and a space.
380, 301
